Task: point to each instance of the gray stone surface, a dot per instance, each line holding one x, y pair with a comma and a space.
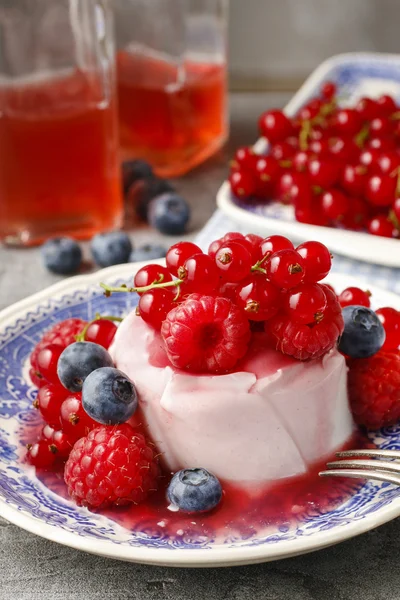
32, 568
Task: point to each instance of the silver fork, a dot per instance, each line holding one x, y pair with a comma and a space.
366, 464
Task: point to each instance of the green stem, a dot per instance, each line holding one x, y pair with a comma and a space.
124, 288
361, 136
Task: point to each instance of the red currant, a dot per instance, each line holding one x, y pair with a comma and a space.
283, 188
383, 144
328, 90
380, 225
151, 274
330, 287
282, 151
380, 190
285, 269
335, 204
41, 454
36, 378
60, 440
306, 303
396, 208
275, 126
357, 215
353, 179
354, 296
324, 173
380, 126
272, 244
102, 332
234, 261
75, 422
369, 159
316, 259
259, 298
243, 183
367, 109
255, 241
386, 104
49, 400
343, 149
232, 236
244, 157
47, 361
390, 319
228, 290
310, 110
301, 160
347, 121
154, 306
388, 162
200, 275
178, 254
266, 174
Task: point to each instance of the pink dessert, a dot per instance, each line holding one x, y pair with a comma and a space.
273, 418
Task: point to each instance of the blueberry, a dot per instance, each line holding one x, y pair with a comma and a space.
169, 213
147, 252
62, 255
194, 490
144, 191
363, 333
109, 396
112, 248
78, 360
135, 170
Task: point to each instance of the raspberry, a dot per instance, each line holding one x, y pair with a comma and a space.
374, 389
306, 342
206, 334
62, 334
112, 465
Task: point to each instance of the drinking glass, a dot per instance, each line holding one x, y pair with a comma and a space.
171, 78
59, 169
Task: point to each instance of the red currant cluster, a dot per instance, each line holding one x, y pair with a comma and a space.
267, 280
63, 414
336, 166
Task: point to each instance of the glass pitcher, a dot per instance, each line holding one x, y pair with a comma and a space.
171, 76
59, 169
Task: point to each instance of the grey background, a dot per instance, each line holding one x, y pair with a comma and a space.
32, 568
279, 42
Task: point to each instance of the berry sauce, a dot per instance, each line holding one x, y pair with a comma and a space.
241, 515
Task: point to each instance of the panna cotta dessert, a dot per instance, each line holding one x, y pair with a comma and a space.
272, 418
228, 381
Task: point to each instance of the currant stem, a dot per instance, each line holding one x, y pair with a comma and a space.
108, 290
361, 136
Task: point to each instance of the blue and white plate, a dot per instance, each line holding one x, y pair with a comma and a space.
356, 75
25, 501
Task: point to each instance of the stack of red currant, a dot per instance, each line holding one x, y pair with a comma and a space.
252, 282
65, 420
336, 166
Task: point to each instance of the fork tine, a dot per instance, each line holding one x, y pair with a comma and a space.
379, 465
373, 452
361, 474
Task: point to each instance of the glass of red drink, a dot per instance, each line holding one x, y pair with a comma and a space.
59, 169
171, 79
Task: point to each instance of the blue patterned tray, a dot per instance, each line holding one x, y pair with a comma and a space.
356, 75
24, 500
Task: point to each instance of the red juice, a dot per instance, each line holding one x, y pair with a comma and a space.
172, 116
242, 513
59, 170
